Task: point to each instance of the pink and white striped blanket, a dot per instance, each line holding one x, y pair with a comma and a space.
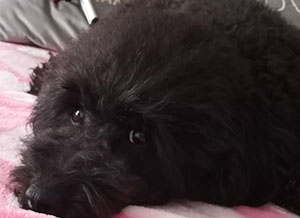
15, 106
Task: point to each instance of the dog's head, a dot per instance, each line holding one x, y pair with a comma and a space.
143, 109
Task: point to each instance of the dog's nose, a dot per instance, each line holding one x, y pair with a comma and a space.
40, 200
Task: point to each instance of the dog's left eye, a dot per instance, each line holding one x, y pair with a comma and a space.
77, 116
137, 137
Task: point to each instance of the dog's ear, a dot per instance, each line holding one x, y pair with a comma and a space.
37, 77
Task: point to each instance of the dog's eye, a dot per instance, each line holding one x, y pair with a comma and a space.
137, 137
77, 116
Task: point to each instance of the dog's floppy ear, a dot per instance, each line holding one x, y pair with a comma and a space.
37, 77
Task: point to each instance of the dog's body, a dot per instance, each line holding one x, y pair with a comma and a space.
168, 100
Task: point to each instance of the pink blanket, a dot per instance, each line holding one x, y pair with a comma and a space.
15, 107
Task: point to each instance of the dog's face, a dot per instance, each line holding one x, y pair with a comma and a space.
134, 113
88, 152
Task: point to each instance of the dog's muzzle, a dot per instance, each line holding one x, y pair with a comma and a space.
41, 200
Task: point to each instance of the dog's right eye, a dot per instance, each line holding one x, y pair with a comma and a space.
137, 137
77, 116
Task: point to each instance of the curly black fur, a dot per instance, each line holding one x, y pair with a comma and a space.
213, 87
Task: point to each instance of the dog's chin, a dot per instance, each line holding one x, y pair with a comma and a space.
65, 210
78, 201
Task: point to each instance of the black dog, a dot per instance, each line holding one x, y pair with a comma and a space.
166, 101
